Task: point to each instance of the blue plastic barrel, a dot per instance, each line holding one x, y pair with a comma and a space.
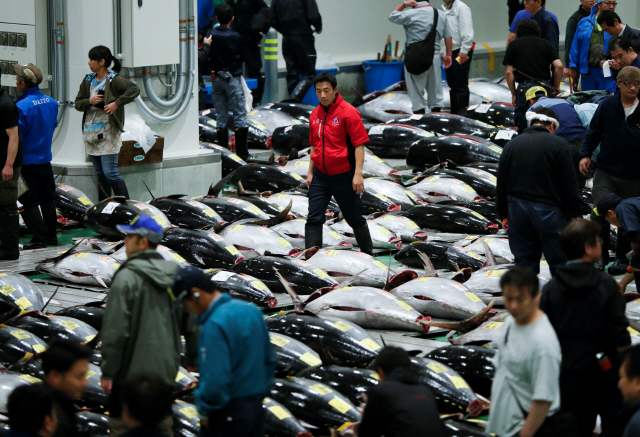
379, 75
311, 98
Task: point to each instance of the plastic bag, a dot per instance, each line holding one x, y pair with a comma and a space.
137, 130
324, 61
248, 97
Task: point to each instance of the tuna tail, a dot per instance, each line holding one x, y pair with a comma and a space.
241, 191
148, 189
297, 302
273, 220
428, 265
466, 325
63, 255
491, 259
214, 190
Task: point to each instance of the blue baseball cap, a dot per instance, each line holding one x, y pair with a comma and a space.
144, 226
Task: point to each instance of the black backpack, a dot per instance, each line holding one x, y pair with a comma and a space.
419, 55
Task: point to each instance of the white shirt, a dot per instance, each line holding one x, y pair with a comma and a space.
629, 111
461, 24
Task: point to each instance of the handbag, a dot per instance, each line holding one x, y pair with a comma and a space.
560, 424
419, 55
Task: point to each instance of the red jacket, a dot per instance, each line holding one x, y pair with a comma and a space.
334, 136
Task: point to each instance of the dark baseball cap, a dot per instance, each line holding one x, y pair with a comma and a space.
144, 226
186, 278
607, 203
29, 72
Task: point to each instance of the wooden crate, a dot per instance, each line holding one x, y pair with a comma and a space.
132, 154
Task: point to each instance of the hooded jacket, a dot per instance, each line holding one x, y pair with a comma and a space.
400, 406
141, 329
586, 309
334, 134
579, 55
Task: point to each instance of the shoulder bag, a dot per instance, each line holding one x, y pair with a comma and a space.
419, 55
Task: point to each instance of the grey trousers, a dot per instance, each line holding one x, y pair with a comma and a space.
604, 183
228, 96
431, 81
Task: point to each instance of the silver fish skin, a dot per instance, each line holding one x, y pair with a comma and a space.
172, 255
381, 237
368, 307
271, 119
376, 167
392, 190
343, 264
87, 268
405, 228
486, 283
299, 204
480, 173
294, 231
490, 331
439, 297
438, 189
19, 290
299, 166
259, 238
499, 247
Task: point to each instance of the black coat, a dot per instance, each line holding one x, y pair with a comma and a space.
251, 17
401, 407
66, 411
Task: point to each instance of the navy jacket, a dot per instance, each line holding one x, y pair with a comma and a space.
548, 28
628, 212
236, 357
38, 119
296, 17
619, 139
571, 127
633, 427
225, 53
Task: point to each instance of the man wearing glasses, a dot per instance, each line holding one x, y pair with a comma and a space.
587, 50
623, 53
616, 127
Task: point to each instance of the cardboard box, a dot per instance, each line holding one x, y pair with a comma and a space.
131, 153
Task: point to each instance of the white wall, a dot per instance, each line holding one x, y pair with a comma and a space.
356, 30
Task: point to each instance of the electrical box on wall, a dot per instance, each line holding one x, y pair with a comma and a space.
23, 38
150, 32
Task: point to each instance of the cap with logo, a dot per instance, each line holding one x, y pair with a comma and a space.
535, 92
29, 73
144, 226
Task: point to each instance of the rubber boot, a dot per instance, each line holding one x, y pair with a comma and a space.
35, 226
120, 189
453, 98
242, 134
312, 237
605, 236
462, 101
300, 91
363, 237
104, 188
10, 235
619, 266
223, 137
50, 218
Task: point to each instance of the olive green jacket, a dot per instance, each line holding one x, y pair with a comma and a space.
141, 327
117, 89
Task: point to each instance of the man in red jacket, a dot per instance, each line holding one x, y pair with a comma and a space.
337, 137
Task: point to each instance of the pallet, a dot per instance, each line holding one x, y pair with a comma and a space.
62, 283
64, 297
26, 264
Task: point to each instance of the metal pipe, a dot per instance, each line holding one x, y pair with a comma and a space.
59, 72
189, 63
270, 48
184, 56
117, 35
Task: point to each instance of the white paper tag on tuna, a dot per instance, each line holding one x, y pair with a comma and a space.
222, 276
288, 128
206, 112
484, 108
505, 134
472, 108
416, 117
110, 207
377, 130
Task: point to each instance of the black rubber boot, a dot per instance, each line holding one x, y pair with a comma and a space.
300, 91
120, 189
223, 137
35, 226
50, 218
10, 235
623, 246
312, 237
619, 267
242, 134
462, 101
453, 98
104, 188
436, 109
363, 237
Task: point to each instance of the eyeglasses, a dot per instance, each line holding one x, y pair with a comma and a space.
611, 3
631, 84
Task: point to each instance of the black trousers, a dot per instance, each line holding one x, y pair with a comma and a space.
340, 187
239, 418
458, 75
41, 183
253, 64
299, 53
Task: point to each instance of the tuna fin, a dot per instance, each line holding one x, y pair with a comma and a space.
147, 187
466, 325
491, 259
325, 355
51, 297
400, 278
455, 266
388, 271
62, 255
384, 343
282, 216
241, 191
351, 280
198, 258
428, 265
100, 281
94, 341
272, 158
176, 196
297, 303
359, 100
214, 190
463, 275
